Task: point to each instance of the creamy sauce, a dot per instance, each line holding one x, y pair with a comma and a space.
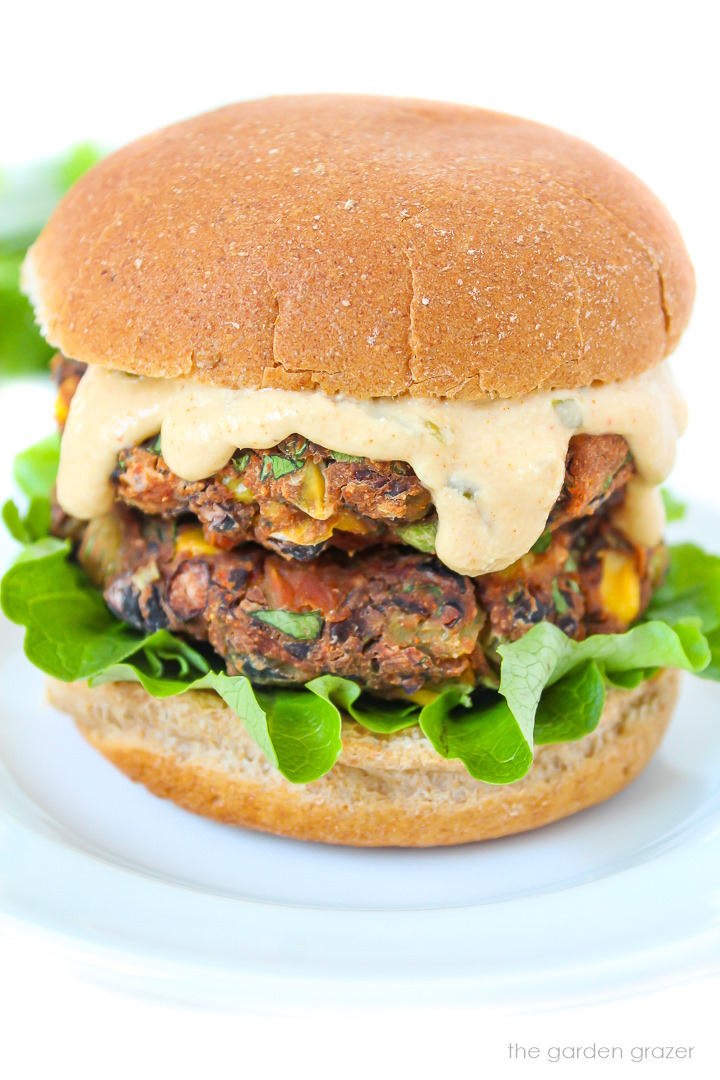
641, 515
494, 468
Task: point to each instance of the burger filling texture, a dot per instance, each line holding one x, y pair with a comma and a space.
298, 580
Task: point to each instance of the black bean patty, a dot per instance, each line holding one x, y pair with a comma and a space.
394, 620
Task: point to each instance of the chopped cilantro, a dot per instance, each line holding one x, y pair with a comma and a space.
433, 590
278, 466
344, 457
611, 476
240, 462
303, 626
542, 544
561, 604
420, 535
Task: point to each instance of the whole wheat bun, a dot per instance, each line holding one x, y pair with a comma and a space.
367, 246
385, 790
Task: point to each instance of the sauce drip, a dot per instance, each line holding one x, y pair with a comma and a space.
494, 468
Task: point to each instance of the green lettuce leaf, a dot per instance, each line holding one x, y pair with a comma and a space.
297, 730
554, 691
383, 717
545, 655
691, 590
302, 728
70, 633
33, 525
551, 688
34, 472
571, 707
675, 510
35, 469
482, 735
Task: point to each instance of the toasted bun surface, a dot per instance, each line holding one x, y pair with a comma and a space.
384, 790
367, 246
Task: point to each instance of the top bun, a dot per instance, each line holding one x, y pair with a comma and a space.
360, 245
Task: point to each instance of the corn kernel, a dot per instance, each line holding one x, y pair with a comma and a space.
61, 411
620, 585
304, 532
346, 521
192, 542
424, 697
312, 492
239, 491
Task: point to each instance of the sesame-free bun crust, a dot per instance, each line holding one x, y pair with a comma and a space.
383, 791
368, 246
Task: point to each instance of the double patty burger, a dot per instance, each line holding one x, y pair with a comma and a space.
372, 390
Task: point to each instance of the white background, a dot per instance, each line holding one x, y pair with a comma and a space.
637, 79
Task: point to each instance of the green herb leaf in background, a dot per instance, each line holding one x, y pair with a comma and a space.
22, 349
27, 198
712, 671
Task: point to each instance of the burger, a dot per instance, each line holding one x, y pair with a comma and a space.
354, 531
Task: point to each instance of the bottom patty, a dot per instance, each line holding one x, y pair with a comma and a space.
393, 620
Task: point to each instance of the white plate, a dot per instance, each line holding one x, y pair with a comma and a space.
617, 897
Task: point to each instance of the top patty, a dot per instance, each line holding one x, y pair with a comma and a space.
299, 498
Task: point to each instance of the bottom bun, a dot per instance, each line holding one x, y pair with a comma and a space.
385, 790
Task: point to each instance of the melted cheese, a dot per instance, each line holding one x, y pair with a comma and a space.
494, 468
